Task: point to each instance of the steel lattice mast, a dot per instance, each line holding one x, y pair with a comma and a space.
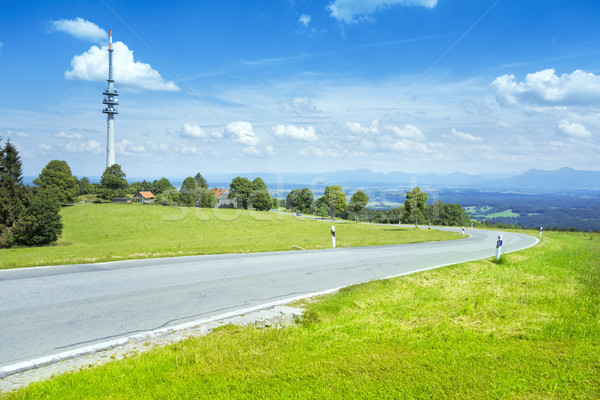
111, 102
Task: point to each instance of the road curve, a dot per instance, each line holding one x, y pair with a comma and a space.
49, 310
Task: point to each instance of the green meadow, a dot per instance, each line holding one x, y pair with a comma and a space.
527, 327
111, 232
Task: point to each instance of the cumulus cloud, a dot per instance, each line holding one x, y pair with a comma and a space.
348, 10
129, 147
295, 132
304, 19
89, 146
546, 88
407, 132
64, 135
186, 150
93, 66
465, 136
573, 129
356, 127
299, 106
196, 132
80, 28
244, 133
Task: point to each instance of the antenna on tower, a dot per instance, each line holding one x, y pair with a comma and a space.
111, 102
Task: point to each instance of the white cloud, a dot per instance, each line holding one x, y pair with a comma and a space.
408, 145
80, 28
186, 150
547, 88
270, 150
10, 133
129, 147
158, 147
93, 66
573, 129
295, 132
465, 136
64, 135
304, 19
89, 146
196, 132
299, 106
348, 10
319, 152
244, 133
356, 127
407, 132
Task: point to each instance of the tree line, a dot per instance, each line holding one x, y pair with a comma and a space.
415, 210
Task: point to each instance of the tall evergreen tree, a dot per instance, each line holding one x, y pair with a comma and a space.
11, 186
201, 181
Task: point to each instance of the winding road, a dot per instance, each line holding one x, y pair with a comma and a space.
49, 310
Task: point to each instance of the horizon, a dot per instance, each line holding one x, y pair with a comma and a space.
417, 87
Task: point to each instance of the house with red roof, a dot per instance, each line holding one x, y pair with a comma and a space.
143, 197
222, 198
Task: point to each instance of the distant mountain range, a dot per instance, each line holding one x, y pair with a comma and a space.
534, 179
539, 180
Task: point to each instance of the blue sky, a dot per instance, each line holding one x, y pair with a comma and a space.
481, 86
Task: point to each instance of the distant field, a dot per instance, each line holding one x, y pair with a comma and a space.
479, 213
525, 328
109, 232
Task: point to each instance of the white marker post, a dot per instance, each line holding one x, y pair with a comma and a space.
463, 231
498, 247
333, 236
541, 230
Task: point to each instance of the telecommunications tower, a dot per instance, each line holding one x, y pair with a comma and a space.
111, 102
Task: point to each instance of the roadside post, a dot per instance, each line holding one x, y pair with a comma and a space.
541, 230
498, 247
471, 225
333, 236
463, 231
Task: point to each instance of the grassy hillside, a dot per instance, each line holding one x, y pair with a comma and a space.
109, 232
527, 328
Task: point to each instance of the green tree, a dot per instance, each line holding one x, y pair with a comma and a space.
358, 201
189, 194
261, 200
12, 188
275, 201
57, 175
113, 183
335, 198
414, 205
41, 222
258, 184
85, 187
162, 185
201, 181
240, 190
301, 200
26, 217
208, 199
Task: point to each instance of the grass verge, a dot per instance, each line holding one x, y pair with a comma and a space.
111, 232
527, 328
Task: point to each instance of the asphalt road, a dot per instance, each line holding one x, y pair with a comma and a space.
49, 310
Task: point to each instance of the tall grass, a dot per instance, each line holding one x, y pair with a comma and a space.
528, 328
